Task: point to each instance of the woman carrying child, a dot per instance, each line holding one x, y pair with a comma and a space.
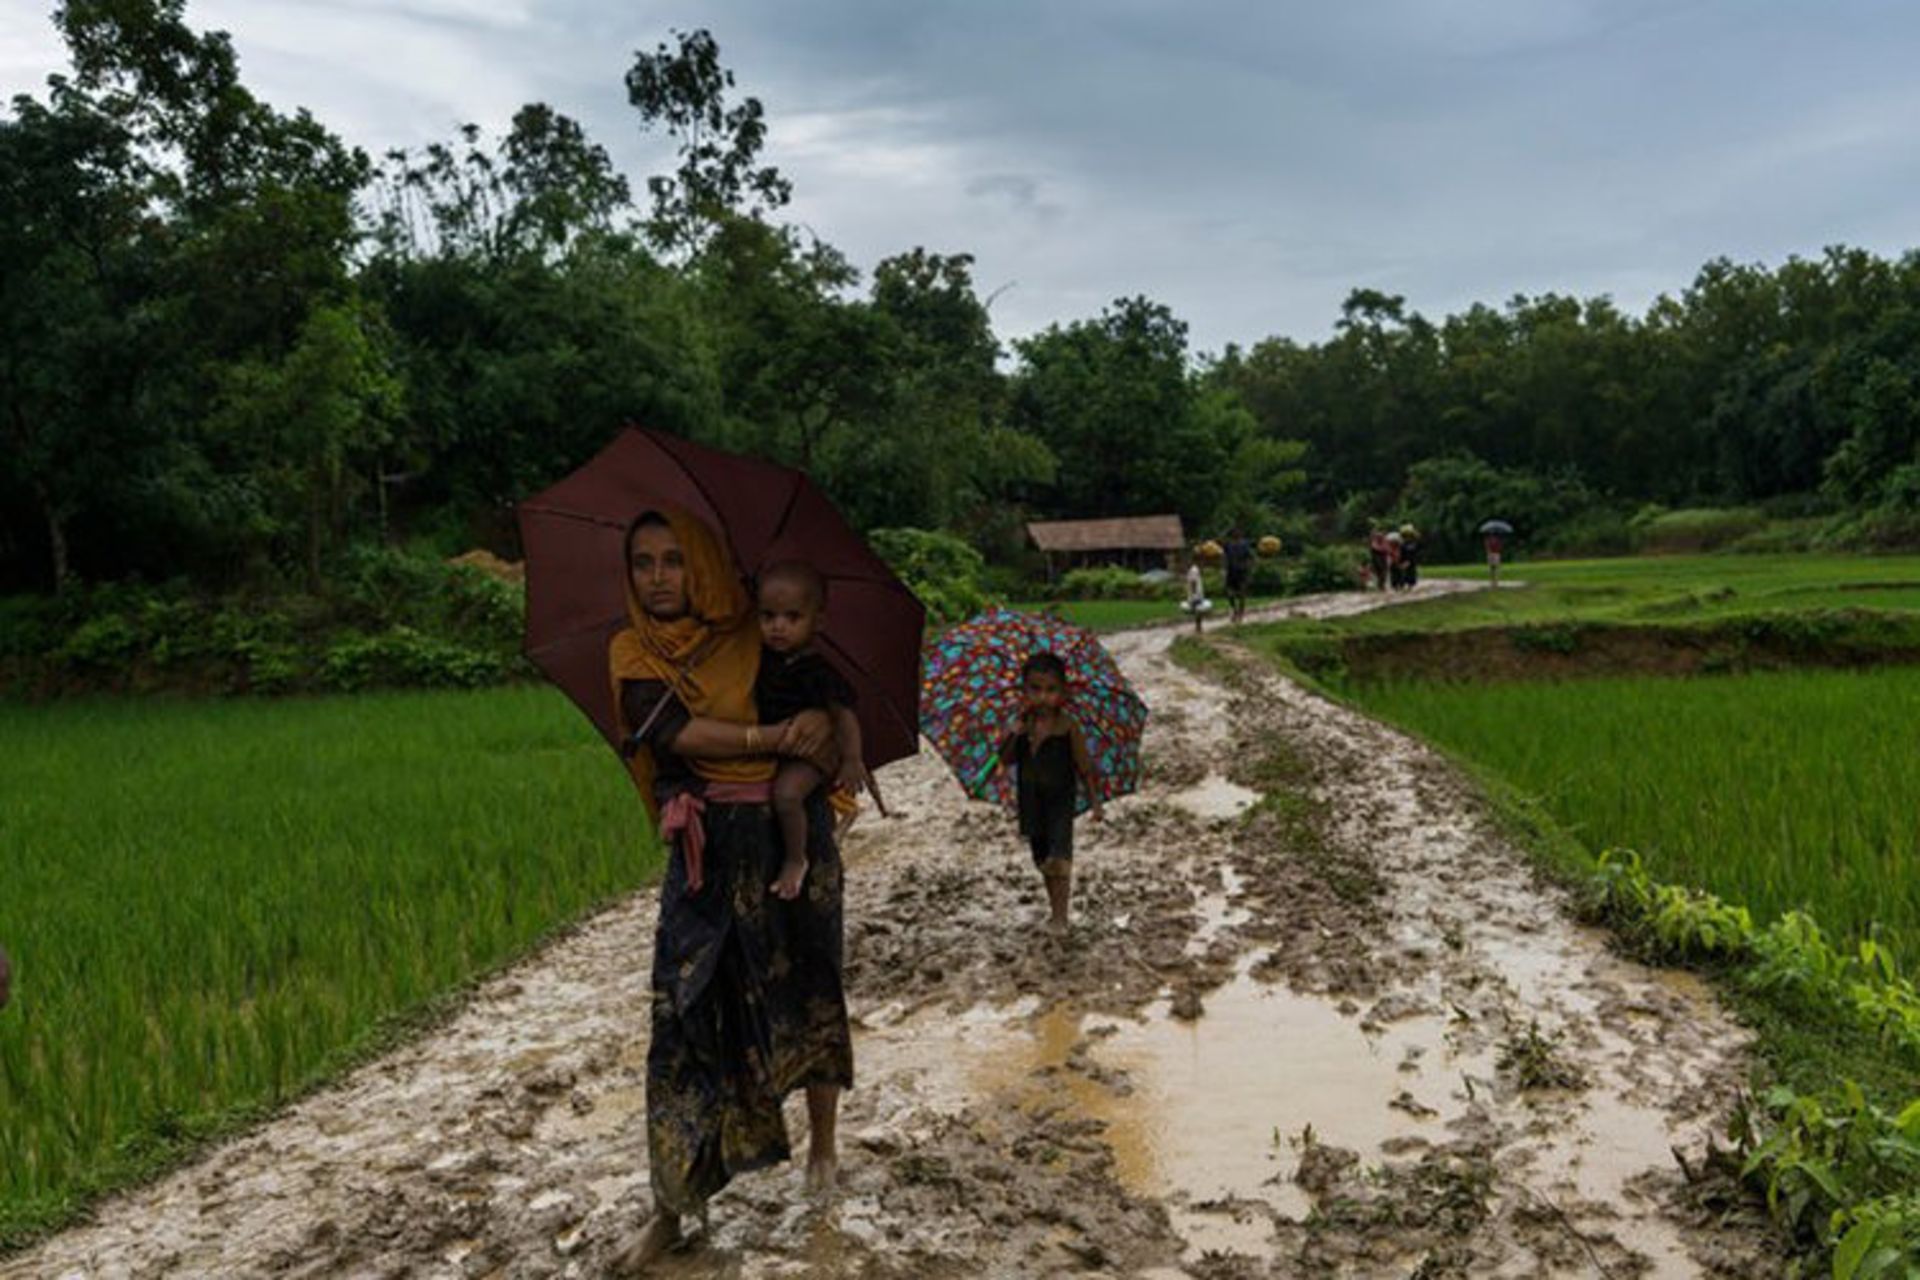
1048, 756
748, 997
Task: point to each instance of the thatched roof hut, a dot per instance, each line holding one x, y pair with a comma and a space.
1139, 542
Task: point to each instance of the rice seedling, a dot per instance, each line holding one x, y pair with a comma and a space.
210, 905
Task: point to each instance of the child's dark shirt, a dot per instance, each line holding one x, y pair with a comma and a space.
790, 683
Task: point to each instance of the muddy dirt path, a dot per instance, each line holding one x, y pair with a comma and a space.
1341, 1031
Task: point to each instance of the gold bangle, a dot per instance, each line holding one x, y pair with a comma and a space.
753, 737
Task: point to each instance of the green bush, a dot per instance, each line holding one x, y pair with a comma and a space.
1112, 582
433, 624
99, 644
270, 668
1269, 577
1450, 496
943, 571
1010, 582
1781, 536
1881, 529
30, 626
1323, 569
1105, 583
379, 586
1695, 528
403, 658
1597, 531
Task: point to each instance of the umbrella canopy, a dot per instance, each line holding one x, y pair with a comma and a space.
970, 700
574, 537
1496, 526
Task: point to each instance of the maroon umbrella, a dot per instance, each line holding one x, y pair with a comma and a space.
573, 536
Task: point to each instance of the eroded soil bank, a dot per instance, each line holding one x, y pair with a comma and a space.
1841, 639
1340, 1030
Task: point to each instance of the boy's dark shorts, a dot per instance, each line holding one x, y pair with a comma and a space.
1051, 835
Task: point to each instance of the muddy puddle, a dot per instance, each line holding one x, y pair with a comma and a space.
1215, 799
1213, 1117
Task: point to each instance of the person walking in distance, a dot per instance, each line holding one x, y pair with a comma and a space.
1239, 557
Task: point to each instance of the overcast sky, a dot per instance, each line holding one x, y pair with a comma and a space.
1247, 164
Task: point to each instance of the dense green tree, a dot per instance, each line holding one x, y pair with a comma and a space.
218, 356
1112, 400
79, 252
309, 427
948, 459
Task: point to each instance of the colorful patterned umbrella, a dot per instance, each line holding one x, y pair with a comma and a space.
970, 700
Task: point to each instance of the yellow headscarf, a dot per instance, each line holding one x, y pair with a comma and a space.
709, 655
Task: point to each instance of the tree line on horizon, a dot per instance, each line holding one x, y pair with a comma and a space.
233, 346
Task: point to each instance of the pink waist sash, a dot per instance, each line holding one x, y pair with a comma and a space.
682, 817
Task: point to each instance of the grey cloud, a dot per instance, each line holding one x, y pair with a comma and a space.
1016, 190
1244, 162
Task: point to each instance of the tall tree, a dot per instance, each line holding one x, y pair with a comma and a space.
543, 189
682, 88
1113, 401
80, 252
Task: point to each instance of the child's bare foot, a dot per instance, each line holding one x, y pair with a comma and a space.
646, 1246
792, 873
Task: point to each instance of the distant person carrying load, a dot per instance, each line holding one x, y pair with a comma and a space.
1377, 556
1239, 557
1196, 602
1409, 557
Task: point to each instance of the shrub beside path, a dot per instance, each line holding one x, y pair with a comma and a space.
1317, 1017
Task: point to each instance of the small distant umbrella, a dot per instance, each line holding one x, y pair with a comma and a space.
970, 700
1496, 526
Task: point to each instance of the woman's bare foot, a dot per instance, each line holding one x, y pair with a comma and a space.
823, 1176
793, 872
646, 1246
823, 1147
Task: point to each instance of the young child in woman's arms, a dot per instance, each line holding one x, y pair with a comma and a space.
791, 597
1048, 756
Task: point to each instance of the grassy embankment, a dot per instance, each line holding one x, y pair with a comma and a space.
1119, 615
213, 905
1771, 807
1776, 790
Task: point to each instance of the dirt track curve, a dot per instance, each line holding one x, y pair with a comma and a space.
1343, 1031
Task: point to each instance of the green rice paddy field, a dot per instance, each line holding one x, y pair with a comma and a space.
1776, 790
1666, 589
210, 905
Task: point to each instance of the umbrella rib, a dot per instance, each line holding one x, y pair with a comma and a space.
786, 512
543, 509
693, 477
